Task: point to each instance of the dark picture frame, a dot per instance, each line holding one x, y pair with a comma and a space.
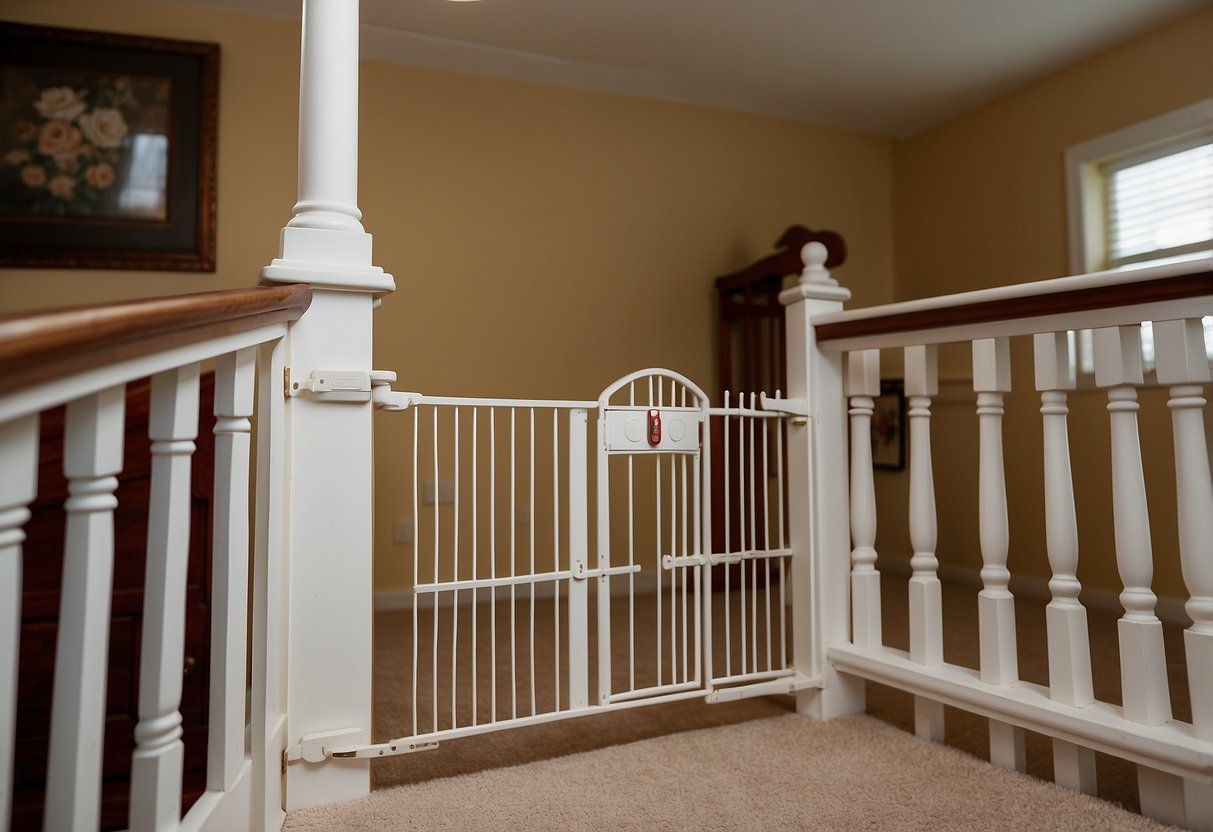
889, 426
107, 150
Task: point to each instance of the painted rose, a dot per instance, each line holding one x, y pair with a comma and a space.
17, 157
63, 187
33, 176
58, 138
60, 103
99, 176
104, 126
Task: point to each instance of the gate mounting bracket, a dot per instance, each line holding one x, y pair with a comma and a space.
788, 407
341, 744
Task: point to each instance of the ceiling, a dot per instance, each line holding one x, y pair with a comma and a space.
886, 67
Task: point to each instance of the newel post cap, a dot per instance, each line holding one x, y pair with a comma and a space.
815, 281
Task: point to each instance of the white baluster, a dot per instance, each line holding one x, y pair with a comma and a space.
863, 382
156, 765
995, 604
1143, 667
926, 599
1182, 362
234, 376
1065, 616
92, 456
19, 461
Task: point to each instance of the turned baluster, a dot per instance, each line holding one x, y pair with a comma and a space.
1143, 667
92, 456
926, 600
1184, 366
995, 604
234, 376
1065, 616
19, 461
156, 764
863, 382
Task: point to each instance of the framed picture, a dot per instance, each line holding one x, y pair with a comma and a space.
107, 150
889, 426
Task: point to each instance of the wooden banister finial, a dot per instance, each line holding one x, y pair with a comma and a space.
814, 255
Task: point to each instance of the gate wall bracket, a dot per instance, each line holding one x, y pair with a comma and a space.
788, 407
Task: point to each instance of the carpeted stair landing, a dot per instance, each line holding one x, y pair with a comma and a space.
782, 772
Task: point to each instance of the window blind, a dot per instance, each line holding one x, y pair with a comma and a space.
1160, 204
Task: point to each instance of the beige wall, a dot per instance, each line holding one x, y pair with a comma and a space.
980, 201
544, 241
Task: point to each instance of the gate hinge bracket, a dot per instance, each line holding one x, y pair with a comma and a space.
337, 385
788, 407
343, 745
317, 747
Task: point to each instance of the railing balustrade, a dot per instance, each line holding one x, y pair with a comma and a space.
1174, 759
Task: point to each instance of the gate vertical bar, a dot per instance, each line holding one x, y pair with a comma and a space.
329, 455
817, 493
603, 524
579, 610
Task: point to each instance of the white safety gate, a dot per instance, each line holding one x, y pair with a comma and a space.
512, 606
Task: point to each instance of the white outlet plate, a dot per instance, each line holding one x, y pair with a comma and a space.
402, 533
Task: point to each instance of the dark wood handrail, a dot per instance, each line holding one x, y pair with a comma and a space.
1128, 293
45, 345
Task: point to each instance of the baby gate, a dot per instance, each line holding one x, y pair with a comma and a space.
506, 587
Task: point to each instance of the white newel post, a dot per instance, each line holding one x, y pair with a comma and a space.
327, 450
817, 494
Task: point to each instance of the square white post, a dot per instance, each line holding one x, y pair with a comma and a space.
327, 449
817, 495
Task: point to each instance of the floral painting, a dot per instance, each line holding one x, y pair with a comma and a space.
80, 145
107, 150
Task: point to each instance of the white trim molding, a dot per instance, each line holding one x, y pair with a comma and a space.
1084, 177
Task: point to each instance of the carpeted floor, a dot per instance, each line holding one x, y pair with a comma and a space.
740, 765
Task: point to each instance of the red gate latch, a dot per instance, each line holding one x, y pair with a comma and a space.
654, 427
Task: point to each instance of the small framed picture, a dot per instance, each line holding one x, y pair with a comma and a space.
107, 150
889, 426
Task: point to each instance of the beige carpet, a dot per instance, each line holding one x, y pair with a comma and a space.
785, 772
689, 765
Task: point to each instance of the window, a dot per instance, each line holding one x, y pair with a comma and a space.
1139, 197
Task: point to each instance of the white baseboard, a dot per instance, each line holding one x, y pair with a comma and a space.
1170, 610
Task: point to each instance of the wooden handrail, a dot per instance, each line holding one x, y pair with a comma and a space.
1083, 293
46, 345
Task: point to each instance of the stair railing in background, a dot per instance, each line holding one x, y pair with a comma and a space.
84, 358
1174, 759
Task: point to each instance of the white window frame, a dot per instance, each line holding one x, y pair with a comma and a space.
1085, 162
1086, 190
